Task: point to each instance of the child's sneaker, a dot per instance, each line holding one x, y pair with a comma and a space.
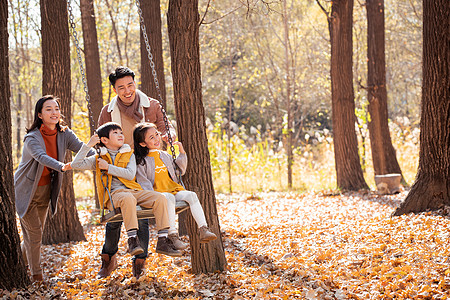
206, 235
134, 247
177, 243
165, 246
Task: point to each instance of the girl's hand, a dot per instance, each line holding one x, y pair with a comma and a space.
102, 164
66, 167
180, 146
93, 141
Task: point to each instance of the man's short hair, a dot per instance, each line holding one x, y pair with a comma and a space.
105, 130
118, 73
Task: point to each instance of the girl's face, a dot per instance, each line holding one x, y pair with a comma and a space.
152, 139
50, 113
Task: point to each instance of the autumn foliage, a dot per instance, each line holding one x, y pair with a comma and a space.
278, 246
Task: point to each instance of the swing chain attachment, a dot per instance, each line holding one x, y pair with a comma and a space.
80, 63
155, 79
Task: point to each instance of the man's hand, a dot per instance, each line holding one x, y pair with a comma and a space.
180, 146
93, 141
102, 164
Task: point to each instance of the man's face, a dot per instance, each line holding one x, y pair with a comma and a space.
125, 88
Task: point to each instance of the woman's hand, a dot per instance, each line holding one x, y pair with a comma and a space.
67, 167
102, 164
180, 146
93, 141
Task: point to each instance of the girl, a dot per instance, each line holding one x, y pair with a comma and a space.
155, 171
38, 179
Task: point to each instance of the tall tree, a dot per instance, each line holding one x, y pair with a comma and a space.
431, 189
92, 59
183, 23
13, 273
383, 153
349, 174
64, 226
151, 12
92, 63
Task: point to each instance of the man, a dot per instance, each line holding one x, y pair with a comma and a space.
129, 107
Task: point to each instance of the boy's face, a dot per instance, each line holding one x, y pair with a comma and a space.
125, 88
152, 139
115, 140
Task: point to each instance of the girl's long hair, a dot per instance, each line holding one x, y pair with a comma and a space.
139, 136
37, 122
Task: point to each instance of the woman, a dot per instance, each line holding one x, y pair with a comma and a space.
39, 176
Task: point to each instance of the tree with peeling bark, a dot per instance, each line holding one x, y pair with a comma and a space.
183, 24
13, 273
65, 225
383, 153
349, 173
431, 189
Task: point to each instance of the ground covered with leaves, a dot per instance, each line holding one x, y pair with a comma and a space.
278, 246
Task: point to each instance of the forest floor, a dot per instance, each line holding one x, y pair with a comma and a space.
277, 246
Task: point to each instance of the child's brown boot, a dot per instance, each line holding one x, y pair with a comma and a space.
165, 246
177, 243
206, 235
134, 247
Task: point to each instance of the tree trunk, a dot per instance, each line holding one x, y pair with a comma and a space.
64, 226
151, 12
431, 189
13, 273
288, 66
92, 59
93, 72
183, 23
383, 153
348, 167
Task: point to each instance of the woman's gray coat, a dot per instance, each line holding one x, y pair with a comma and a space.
34, 158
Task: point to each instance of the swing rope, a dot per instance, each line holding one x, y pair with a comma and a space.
80, 63
113, 216
155, 80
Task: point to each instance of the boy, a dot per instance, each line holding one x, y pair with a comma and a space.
117, 160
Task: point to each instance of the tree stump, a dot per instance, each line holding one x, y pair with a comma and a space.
388, 183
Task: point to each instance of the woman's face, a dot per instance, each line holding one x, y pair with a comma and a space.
152, 139
50, 114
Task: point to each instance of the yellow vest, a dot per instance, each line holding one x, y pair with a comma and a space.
121, 161
163, 183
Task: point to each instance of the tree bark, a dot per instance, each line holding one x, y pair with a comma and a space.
93, 71
13, 273
92, 59
64, 226
183, 23
383, 153
431, 189
348, 167
151, 12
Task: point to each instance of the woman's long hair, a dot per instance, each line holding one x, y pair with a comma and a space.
37, 122
139, 137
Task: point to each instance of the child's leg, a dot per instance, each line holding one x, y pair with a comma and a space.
125, 199
157, 201
195, 206
171, 211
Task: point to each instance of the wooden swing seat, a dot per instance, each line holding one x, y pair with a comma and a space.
142, 213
